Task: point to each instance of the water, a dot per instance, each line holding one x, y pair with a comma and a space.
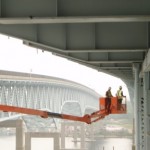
8, 143
111, 144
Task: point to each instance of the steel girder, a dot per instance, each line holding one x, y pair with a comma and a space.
107, 36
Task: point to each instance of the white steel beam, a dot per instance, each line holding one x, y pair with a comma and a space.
0, 8
51, 48
119, 68
106, 50
80, 19
115, 61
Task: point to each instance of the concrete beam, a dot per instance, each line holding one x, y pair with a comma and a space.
8, 124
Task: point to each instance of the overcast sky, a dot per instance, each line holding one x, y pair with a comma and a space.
15, 56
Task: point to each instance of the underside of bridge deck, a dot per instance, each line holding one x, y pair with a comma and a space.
106, 35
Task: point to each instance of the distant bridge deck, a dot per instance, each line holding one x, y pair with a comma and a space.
11, 75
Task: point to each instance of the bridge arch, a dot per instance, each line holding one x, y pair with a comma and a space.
75, 108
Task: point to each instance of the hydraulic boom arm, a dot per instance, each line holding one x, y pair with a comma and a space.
45, 114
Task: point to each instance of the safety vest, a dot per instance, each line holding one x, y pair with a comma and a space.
119, 94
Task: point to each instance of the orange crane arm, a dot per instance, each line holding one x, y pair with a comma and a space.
29, 111
45, 114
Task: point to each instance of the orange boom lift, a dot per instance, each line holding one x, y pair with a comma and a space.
88, 118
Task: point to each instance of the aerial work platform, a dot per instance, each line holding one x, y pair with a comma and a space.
115, 107
87, 118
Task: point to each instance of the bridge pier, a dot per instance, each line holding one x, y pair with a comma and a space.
30, 135
18, 124
75, 125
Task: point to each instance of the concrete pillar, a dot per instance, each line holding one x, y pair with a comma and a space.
27, 141
82, 136
92, 131
63, 135
136, 106
19, 135
75, 131
56, 142
75, 125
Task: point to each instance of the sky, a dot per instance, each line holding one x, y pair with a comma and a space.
15, 56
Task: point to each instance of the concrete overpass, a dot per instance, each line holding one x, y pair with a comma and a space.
109, 36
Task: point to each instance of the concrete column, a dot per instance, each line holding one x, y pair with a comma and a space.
136, 106
19, 135
56, 142
82, 136
75, 131
63, 135
92, 131
27, 141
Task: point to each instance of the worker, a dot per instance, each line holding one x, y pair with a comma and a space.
120, 97
108, 100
